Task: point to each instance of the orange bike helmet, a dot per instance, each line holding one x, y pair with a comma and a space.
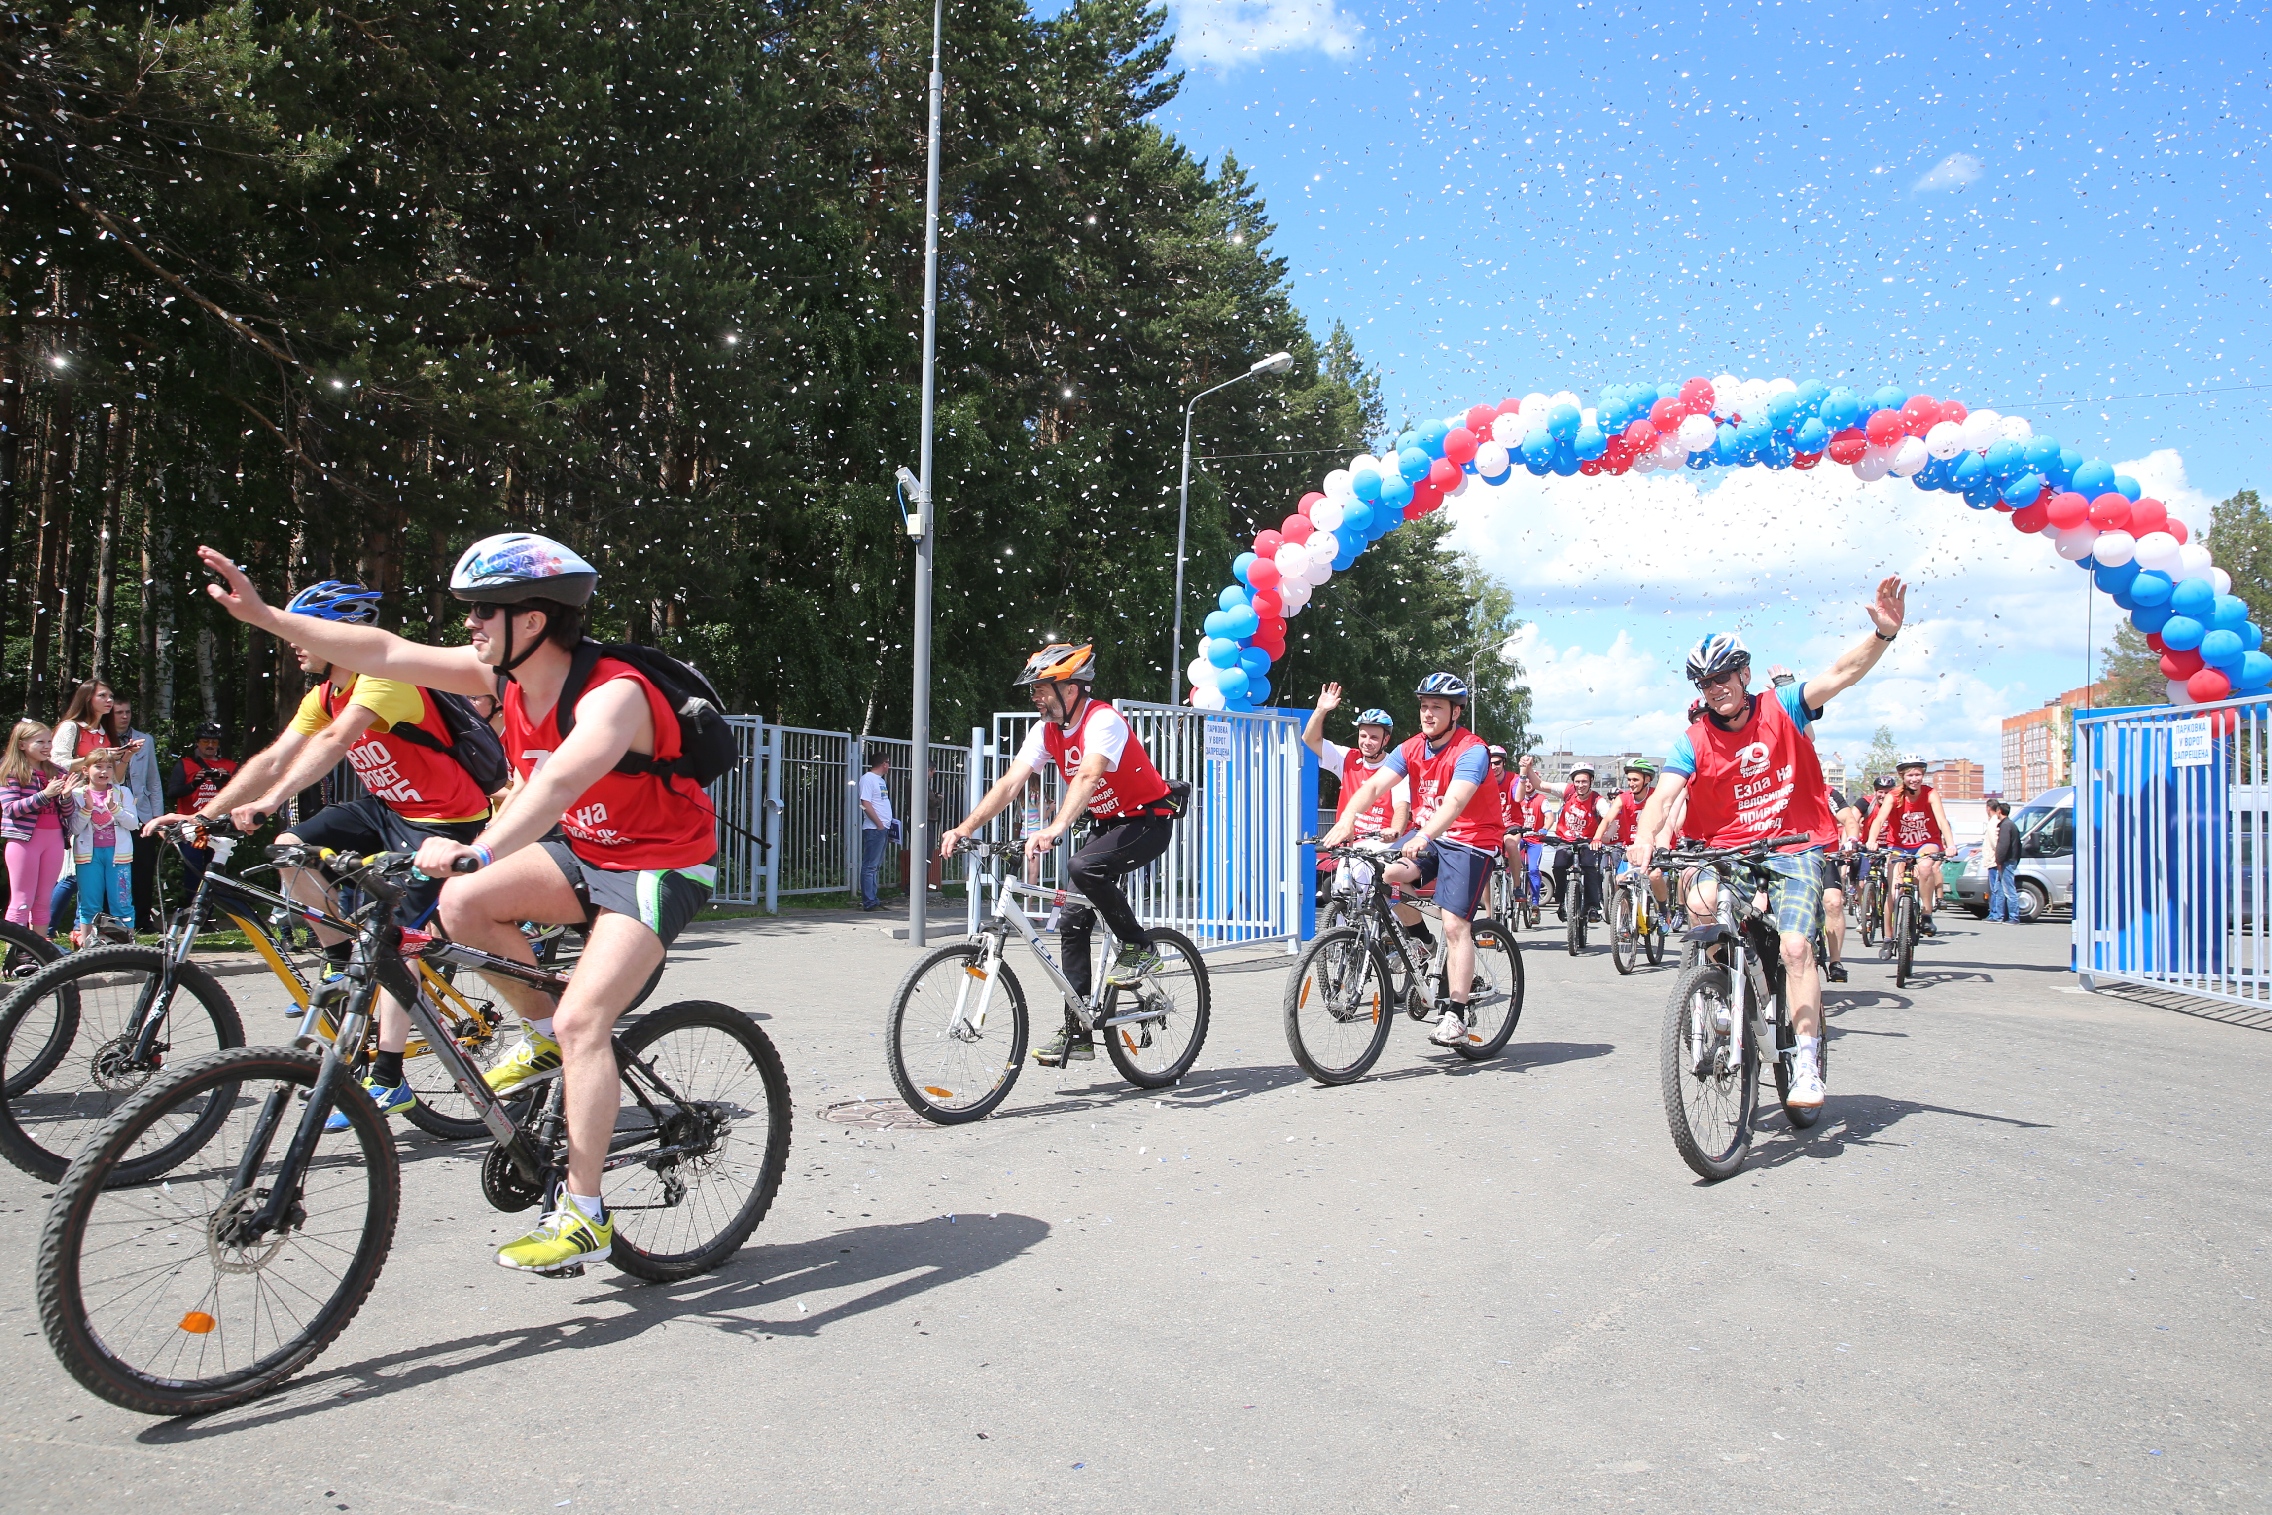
1058, 663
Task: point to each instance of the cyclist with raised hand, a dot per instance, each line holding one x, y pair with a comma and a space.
1376, 728
1455, 840
1621, 827
1572, 828
1131, 813
633, 864
1912, 825
1526, 821
397, 738
1748, 774
1849, 819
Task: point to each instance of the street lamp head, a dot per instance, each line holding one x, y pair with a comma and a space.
1277, 362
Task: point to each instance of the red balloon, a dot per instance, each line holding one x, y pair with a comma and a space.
2224, 722
2032, 517
1262, 573
2176, 528
1310, 502
1589, 466
2154, 640
2180, 665
1267, 603
1267, 543
2003, 507
1920, 414
1479, 419
1641, 436
1297, 528
2069, 509
1272, 629
2208, 685
1805, 460
1953, 410
2147, 514
1444, 475
1510, 406
1460, 445
1848, 446
1666, 414
1697, 395
1885, 427
2111, 512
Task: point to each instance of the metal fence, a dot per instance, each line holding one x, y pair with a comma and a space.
2172, 870
1236, 872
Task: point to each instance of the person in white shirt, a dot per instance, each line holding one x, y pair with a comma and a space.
875, 828
1391, 815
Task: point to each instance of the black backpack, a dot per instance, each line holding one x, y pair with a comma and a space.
707, 749
471, 742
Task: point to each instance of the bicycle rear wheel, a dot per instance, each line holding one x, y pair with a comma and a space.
1654, 938
948, 1070
1154, 1052
1624, 932
1873, 910
147, 1295
1574, 909
1708, 1100
75, 1022
1338, 1006
1904, 941
702, 1139
23, 953
1497, 1002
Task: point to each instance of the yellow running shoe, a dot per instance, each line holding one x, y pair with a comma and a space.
536, 1056
564, 1238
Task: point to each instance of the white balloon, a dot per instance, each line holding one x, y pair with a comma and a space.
1562, 397
2177, 692
1294, 596
1534, 409
1339, 486
2076, 541
1981, 431
1750, 400
1491, 458
2157, 550
1366, 460
1200, 674
1320, 570
1465, 479
2115, 548
1207, 697
1945, 440
1727, 390
1322, 545
1290, 558
2193, 561
1871, 465
1326, 515
1909, 455
1588, 416
2222, 579
1697, 432
1670, 454
1506, 429
1782, 386
1645, 463
2016, 429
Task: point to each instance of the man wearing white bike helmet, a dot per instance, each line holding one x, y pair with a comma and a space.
1454, 842
1748, 773
633, 865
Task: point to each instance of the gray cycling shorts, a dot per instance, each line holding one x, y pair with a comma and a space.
661, 899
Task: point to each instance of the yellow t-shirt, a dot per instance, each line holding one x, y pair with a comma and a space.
393, 703
414, 781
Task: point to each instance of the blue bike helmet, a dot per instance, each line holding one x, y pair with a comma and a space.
336, 600
1449, 686
1376, 717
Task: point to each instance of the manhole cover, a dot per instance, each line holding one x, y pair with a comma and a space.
875, 1115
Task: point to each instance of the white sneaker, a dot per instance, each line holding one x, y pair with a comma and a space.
1451, 1031
1806, 1089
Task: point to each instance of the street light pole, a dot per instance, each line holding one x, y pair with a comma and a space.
919, 805
1277, 362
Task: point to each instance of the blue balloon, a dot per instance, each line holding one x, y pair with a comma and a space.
1727, 448
2182, 633
2087, 563
2003, 461
1412, 463
2193, 597
2023, 490
1565, 462
1350, 547
1503, 476
2126, 487
1365, 483
1810, 397
1700, 461
1254, 660
1231, 598
1241, 623
1356, 519
1395, 495
1667, 392
1782, 411
2092, 479
1258, 691
2222, 651
1538, 448
1407, 439
1590, 443
2255, 671
2251, 636
2062, 474
1233, 684
2229, 612
1562, 421
1971, 470
1216, 624
2122, 598
1222, 652
1813, 435
1892, 397
2041, 453
2148, 618
2115, 580
1841, 408
2152, 588
1432, 434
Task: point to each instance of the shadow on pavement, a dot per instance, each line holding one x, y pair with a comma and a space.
754, 1296
1850, 1120
1202, 1087
1520, 1057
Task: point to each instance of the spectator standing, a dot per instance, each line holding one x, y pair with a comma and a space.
191, 784
102, 848
2002, 848
84, 731
142, 781
35, 809
876, 827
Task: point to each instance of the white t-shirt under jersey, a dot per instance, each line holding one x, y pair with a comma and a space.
1103, 730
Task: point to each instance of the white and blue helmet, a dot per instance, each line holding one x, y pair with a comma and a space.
1715, 655
517, 565
1376, 717
1448, 686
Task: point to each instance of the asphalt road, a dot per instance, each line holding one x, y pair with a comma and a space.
2020, 1266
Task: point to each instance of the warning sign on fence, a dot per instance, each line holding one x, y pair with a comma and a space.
1219, 741
2189, 744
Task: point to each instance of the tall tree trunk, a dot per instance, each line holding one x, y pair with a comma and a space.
11, 447
208, 697
79, 551
115, 467
150, 500
54, 513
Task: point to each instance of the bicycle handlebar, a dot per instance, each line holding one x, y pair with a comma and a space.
1751, 852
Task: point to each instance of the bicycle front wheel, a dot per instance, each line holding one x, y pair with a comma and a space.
1497, 1002
1172, 1005
1708, 1096
1339, 1005
156, 1296
949, 1066
1904, 941
1624, 932
77, 1023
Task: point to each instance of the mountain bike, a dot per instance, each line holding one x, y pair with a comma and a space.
1345, 991
1869, 900
90, 1030
956, 1039
1512, 899
1901, 940
1574, 895
202, 1281
1727, 1005
1637, 922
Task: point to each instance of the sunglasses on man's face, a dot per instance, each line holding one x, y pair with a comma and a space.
482, 613
1733, 676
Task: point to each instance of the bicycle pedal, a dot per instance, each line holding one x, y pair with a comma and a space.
572, 1270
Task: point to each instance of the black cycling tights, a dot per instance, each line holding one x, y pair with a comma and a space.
1114, 848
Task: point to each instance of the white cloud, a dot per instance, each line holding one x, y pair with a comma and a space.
2161, 475
1229, 32
1630, 699
1953, 172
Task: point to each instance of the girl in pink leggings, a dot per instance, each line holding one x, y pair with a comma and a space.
35, 817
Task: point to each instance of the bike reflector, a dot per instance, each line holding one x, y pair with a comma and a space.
197, 1323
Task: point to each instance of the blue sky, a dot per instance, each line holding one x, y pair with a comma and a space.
2057, 211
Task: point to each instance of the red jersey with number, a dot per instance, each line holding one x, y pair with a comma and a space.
1480, 825
415, 782
1354, 775
1627, 815
1912, 825
1132, 788
1529, 814
1578, 819
1761, 781
628, 822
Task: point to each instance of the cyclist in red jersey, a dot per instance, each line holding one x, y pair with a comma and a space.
1108, 778
1572, 828
1911, 826
1749, 773
1455, 840
634, 864
1353, 765
1526, 810
1622, 826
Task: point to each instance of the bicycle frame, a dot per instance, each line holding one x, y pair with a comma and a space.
1009, 918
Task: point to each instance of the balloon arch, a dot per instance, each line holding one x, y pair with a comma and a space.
2138, 553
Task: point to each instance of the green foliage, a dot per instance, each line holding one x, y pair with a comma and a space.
2240, 539
2130, 672
1882, 758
